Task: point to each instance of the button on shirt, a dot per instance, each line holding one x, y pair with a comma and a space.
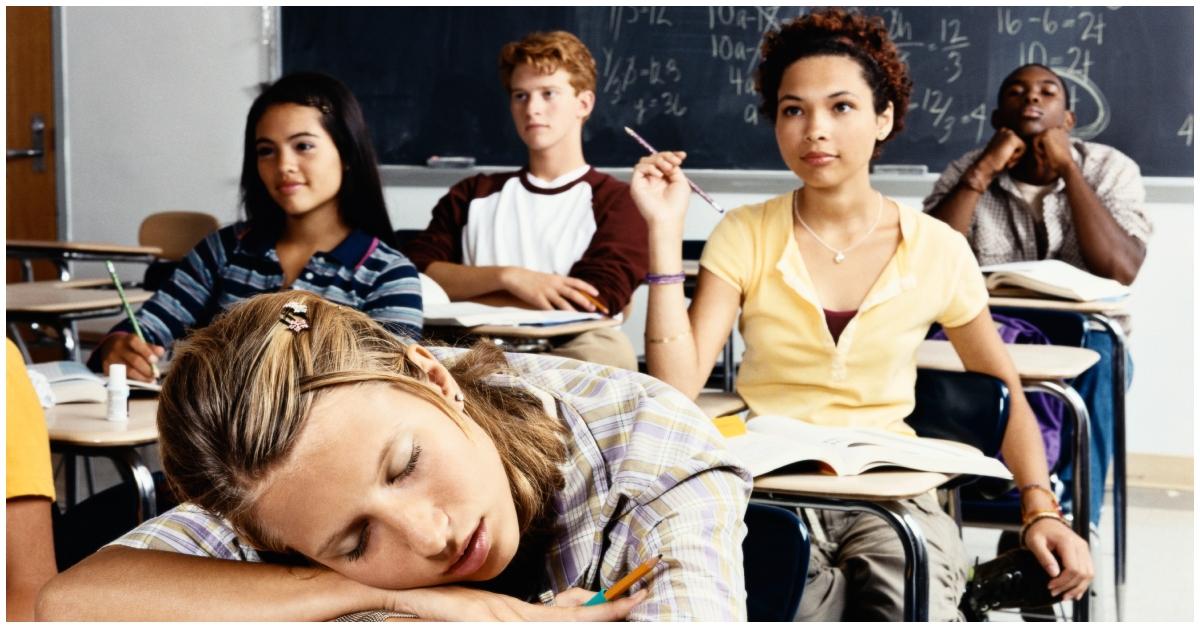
792, 366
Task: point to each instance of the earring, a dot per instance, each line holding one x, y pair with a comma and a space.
882, 135
458, 397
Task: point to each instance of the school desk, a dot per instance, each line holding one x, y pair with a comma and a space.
1101, 316
520, 338
80, 429
879, 493
61, 304
1043, 368
61, 252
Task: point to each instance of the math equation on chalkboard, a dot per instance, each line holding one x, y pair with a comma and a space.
685, 76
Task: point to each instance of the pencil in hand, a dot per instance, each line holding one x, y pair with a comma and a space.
137, 329
622, 585
695, 188
596, 302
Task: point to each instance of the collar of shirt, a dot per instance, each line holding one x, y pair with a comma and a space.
896, 275
351, 252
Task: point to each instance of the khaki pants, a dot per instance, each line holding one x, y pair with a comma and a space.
856, 569
607, 345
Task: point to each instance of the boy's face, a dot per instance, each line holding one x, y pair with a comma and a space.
1032, 100
546, 110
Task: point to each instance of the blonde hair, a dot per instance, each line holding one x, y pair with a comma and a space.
547, 53
240, 390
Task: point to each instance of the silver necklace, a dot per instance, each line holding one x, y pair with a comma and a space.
839, 256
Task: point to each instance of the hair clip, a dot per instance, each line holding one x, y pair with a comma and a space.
294, 316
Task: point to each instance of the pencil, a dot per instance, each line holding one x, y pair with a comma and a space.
596, 302
622, 585
695, 188
112, 272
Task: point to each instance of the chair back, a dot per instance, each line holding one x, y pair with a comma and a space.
970, 408
176, 232
775, 557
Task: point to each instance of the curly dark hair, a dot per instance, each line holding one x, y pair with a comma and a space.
835, 31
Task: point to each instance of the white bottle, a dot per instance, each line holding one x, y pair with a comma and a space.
118, 394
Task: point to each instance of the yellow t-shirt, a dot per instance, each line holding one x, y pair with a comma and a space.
792, 366
28, 447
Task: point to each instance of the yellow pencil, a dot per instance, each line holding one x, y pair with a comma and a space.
596, 302
622, 585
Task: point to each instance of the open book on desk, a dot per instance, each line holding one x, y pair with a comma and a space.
471, 314
72, 382
770, 443
1053, 278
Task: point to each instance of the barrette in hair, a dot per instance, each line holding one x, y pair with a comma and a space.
294, 316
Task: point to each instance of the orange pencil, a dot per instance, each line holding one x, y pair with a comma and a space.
622, 585
596, 302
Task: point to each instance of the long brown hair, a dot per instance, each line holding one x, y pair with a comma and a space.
240, 390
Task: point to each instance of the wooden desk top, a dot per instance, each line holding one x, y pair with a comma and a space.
875, 485
16, 247
1033, 362
532, 331
67, 297
1111, 308
716, 404
84, 424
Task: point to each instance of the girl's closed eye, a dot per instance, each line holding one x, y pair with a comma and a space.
361, 548
410, 467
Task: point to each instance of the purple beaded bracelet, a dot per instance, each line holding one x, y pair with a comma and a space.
659, 280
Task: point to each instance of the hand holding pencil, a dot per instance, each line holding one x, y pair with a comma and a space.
131, 350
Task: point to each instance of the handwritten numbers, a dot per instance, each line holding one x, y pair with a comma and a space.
1093, 27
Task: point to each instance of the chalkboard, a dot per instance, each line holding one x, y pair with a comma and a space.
683, 77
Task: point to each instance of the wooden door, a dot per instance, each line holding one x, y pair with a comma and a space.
31, 191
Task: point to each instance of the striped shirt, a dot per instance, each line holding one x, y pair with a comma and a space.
236, 263
646, 473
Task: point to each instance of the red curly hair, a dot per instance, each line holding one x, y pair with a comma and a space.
549, 52
837, 32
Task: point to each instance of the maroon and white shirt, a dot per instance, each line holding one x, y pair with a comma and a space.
583, 224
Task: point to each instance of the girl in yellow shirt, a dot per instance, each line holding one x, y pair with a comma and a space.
837, 285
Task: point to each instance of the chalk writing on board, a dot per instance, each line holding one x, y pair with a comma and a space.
1187, 130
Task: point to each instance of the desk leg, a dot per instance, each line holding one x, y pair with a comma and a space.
14, 332
1120, 486
134, 469
916, 560
1081, 488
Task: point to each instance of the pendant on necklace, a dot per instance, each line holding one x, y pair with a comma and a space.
839, 258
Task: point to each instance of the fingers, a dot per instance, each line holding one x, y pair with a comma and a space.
573, 597
137, 356
615, 610
1077, 569
582, 286
1037, 544
660, 165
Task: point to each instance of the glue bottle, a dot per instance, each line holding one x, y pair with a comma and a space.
118, 393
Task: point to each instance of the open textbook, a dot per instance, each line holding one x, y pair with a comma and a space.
1053, 278
470, 314
72, 382
773, 442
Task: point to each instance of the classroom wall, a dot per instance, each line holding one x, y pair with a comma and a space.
155, 104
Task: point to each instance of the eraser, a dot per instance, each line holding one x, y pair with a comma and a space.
909, 169
438, 161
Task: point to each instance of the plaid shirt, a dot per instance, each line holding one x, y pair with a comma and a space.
1004, 228
646, 473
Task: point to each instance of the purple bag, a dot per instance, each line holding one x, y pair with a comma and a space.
1047, 410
